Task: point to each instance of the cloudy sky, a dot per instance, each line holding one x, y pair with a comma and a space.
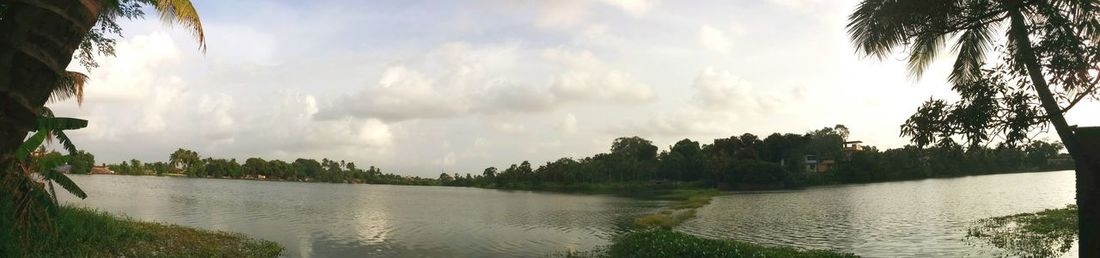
419, 87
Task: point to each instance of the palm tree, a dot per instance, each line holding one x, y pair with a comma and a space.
1049, 45
38, 40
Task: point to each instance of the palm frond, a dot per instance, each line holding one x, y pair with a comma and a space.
875, 28
28, 146
65, 182
65, 141
971, 48
70, 84
924, 51
183, 13
60, 123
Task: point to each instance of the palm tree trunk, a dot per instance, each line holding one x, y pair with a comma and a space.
37, 41
1085, 153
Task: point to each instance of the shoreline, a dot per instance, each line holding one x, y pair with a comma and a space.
625, 189
86, 232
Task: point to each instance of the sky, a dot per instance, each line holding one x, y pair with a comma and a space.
423, 87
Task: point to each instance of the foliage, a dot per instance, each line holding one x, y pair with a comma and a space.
737, 162
87, 233
665, 219
81, 162
1048, 65
668, 243
1048, 233
30, 198
100, 40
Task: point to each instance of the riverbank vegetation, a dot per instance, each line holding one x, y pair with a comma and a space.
81, 232
745, 162
1048, 233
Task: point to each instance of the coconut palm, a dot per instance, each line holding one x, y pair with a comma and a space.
38, 39
1050, 57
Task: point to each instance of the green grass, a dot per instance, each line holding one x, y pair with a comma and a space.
83, 232
665, 219
684, 209
668, 243
1047, 233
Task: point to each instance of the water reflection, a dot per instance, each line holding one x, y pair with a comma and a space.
337, 220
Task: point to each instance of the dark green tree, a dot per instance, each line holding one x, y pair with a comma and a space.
1049, 65
81, 162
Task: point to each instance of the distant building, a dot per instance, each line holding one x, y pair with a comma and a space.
853, 146
64, 168
812, 164
101, 170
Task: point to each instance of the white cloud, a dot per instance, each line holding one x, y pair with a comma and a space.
509, 128
634, 7
569, 124
714, 39
721, 102
716, 89
567, 14
479, 81
587, 77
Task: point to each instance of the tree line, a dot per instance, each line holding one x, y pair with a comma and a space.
776, 161
189, 163
736, 162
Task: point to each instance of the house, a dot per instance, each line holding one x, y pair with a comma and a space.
101, 170
853, 146
812, 164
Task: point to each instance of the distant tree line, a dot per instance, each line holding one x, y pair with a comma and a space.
189, 163
777, 161
736, 162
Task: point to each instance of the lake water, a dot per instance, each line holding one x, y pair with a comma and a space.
925, 218
913, 218
344, 220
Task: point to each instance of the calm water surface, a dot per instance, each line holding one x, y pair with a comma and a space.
342, 220
926, 218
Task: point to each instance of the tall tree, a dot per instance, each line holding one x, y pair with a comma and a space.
1049, 65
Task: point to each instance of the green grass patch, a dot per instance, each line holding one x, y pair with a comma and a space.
665, 219
1047, 233
84, 232
683, 210
668, 243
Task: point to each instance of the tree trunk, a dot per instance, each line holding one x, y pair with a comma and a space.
37, 41
1088, 191
1085, 151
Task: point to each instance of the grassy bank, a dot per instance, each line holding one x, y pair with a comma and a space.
687, 200
83, 232
1048, 233
668, 243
